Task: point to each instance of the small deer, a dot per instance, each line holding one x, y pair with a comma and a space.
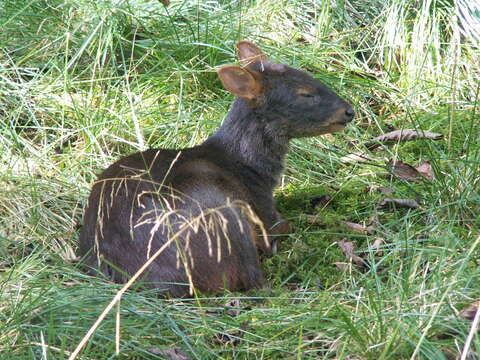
206, 214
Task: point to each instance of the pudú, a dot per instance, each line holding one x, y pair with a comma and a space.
207, 213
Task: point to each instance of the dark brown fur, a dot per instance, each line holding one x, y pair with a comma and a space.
209, 198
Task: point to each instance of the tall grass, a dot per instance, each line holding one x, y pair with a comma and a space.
84, 82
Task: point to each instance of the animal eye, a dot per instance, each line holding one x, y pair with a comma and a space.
307, 95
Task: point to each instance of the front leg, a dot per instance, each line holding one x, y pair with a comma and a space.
278, 232
280, 228
276, 228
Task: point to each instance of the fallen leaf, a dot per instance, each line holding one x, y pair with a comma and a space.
342, 266
470, 311
407, 134
405, 171
376, 244
349, 251
171, 354
401, 203
358, 228
425, 169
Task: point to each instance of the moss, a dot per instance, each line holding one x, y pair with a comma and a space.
307, 257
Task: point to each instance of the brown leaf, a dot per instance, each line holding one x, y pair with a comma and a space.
358, 228
407, 134
470, 311
425, 169
342, 266
171, 354
400, 203
376, 244
349, 251
405, 171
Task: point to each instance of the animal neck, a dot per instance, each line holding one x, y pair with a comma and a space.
247, 136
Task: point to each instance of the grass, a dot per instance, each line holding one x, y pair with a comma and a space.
84, 82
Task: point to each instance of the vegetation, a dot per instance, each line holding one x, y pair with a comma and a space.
84, 82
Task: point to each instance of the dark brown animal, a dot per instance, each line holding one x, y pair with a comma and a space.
207, 205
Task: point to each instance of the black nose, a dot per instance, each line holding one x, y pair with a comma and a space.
349, 114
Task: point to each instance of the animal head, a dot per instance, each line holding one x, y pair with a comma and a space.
296, 104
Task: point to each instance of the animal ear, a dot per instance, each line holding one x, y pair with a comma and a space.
240, 82
249, 53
